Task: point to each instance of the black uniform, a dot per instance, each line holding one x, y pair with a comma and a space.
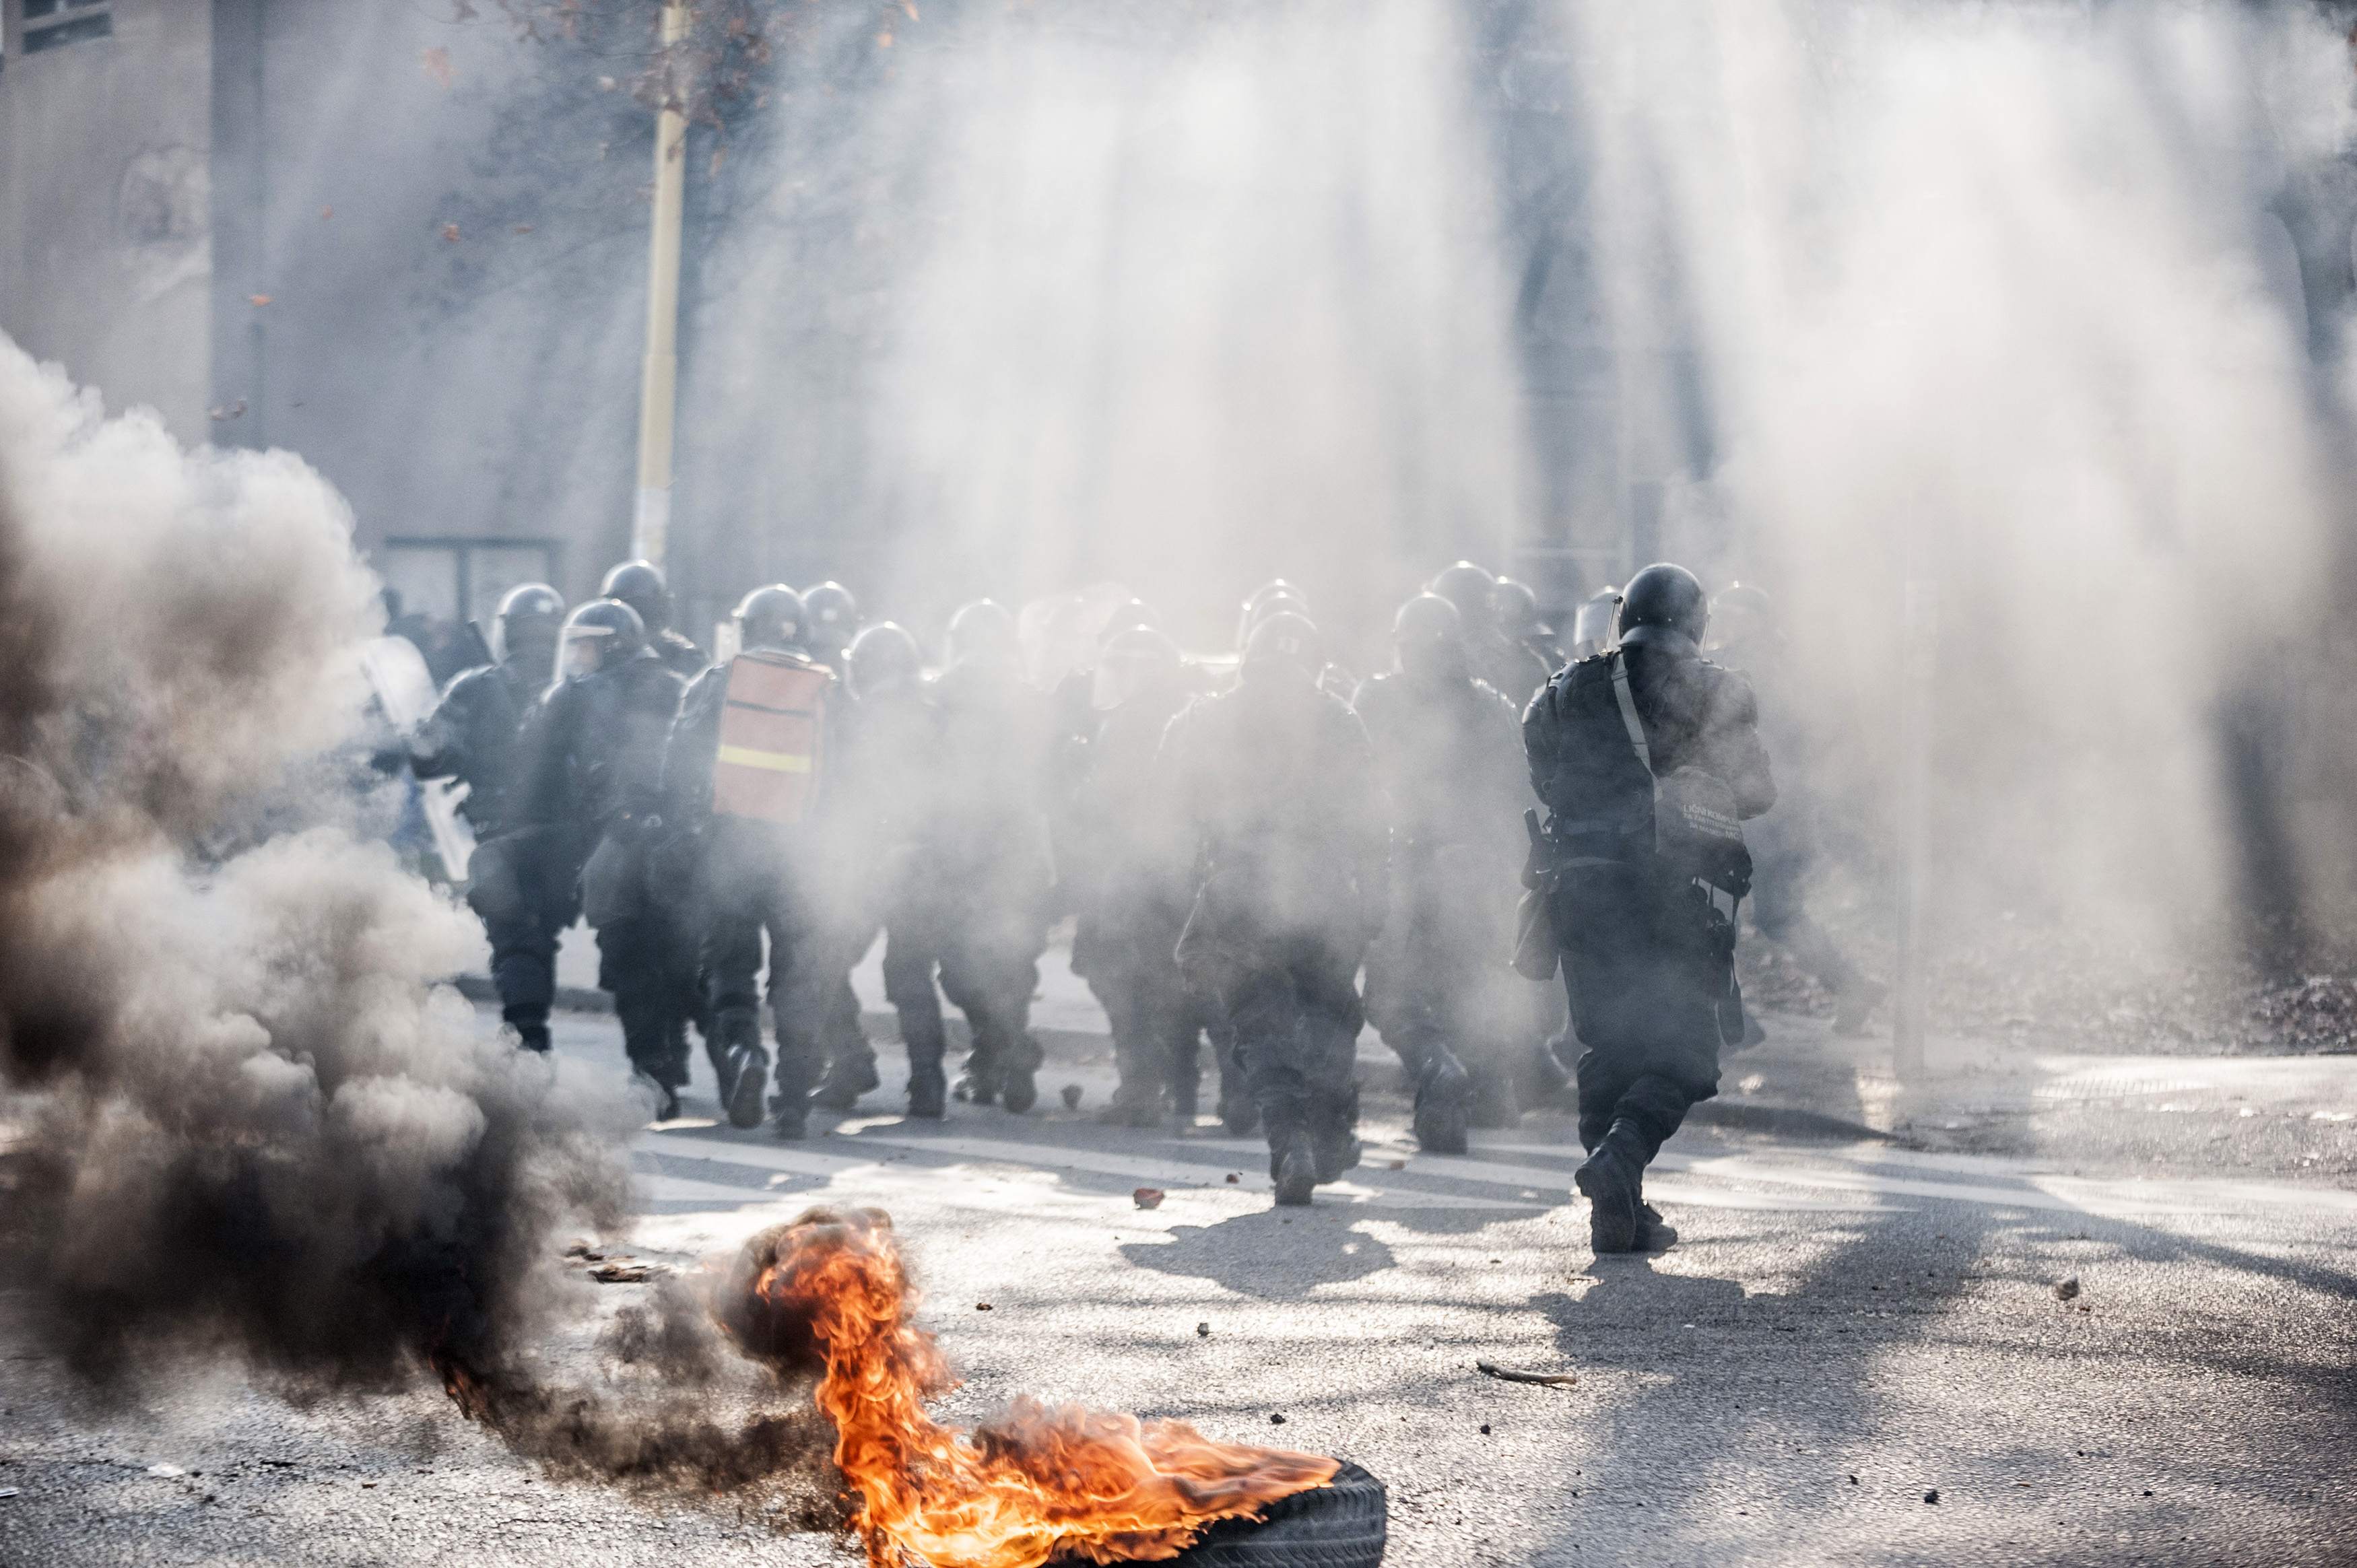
523, 891
593, 783
892, 777
1276, 781
1647, 953
990, 876
1449, 753
758, 878
1131, 870
1514, 670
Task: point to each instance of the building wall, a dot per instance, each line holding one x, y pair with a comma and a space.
106, 230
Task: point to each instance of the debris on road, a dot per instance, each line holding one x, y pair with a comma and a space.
623, 1271
2066, 1288
165, 1472
1276, 1418
8, 1491
583, 1250
982, 1306
1147, 1196
1932, 1496
1516, 1375
1073, 1092
1203, 1331
1233, 1179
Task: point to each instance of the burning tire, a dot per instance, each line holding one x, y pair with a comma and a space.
1342, 1524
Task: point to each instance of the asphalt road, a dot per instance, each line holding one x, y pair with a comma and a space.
1846, 1328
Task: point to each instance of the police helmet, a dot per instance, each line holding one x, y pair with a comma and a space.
1665, 596
598, 636
530, 614
1282, 642
883, 655
1144, 645
1130, 615
639, 584
985, 631
774, 617
1276, 591
1273, 605
834, 614
1741, 616
1515, 609
1430, 636
1467, 587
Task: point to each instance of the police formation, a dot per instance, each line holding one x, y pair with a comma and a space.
1236, 848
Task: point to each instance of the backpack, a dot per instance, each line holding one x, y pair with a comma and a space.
772, 723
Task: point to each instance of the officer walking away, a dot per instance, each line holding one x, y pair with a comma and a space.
524, 893
1132, 867
639, 584
991, 852
594, 783
1514, 671
831, 617
1277, 783
1449, 756
892, 777
1746, 636
1646, 757
747, 774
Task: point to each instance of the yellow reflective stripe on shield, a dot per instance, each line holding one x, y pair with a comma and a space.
774, 761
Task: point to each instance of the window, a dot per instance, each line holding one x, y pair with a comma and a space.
435, 586
50, 24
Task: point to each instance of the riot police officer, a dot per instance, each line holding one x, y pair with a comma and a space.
747, 774
593, 782
990, 852
1592, 623
1645, 757
1131, 860
1745, 635
1447, 751
831, 619
523, 896
639, 584
1277, 784
893, 778
1513, 671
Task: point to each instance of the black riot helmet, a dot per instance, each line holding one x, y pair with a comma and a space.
1132, 662
530, 614
1667, 596
1515, 610
1266, 600
1130, 615
1283, 646
834, 616
1428, 635
984, 632
1467, 587
639, 584
598, 636
884, 657
1281, 604
773, 617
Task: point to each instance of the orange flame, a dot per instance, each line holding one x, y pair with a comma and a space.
1043, 1481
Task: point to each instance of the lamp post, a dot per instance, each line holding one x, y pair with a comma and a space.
659, 379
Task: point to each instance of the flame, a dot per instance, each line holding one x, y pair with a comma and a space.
1043, 1481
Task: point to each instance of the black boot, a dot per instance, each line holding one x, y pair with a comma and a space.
790, 1106
1020, 1090
928, 1091
850, 1075
1443, 1103
1611, 1179
985, 1071
1292, 1159
532, 1036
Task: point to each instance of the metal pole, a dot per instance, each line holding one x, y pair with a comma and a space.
1918, 659
658, 387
